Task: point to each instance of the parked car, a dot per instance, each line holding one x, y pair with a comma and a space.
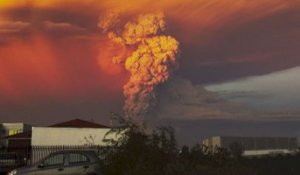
64, 162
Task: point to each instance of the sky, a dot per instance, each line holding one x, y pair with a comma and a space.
239, 61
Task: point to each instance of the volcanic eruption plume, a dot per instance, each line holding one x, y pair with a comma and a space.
151, 62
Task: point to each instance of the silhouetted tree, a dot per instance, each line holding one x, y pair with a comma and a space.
137, 152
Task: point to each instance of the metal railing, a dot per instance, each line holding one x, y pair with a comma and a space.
40, 152
28, 156
13, 159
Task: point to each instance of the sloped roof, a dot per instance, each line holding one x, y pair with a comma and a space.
78, 123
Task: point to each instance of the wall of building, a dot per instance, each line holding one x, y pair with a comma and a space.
15, 128
9, 129
212, 142
48, 136
267, 152
254, 145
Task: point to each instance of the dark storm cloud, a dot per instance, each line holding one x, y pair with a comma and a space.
258, 47
243, 94
180, 99
55, 22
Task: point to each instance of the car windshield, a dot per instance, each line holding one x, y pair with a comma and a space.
76, 158
54, 160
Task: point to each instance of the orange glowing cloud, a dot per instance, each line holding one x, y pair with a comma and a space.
151, 63
29, 63
6, 87
108, 50
189, 8
39, 67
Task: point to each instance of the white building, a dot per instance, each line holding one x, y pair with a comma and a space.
72, 133
52, 136
254, 146
9, 129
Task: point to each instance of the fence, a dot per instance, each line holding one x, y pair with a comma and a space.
13, 158
28, 156
40, 152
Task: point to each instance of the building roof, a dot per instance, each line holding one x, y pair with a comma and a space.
16, 123
23, 135
78, 123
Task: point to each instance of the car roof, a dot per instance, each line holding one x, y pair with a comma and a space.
90, 153
75, 151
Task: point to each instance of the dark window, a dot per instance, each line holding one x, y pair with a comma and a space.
78, 158
54, 160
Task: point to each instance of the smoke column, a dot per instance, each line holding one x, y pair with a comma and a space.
151, 63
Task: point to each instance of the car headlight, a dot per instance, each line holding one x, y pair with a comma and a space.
13, 172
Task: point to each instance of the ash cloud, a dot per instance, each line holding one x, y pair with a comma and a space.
151, 63
181, 100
